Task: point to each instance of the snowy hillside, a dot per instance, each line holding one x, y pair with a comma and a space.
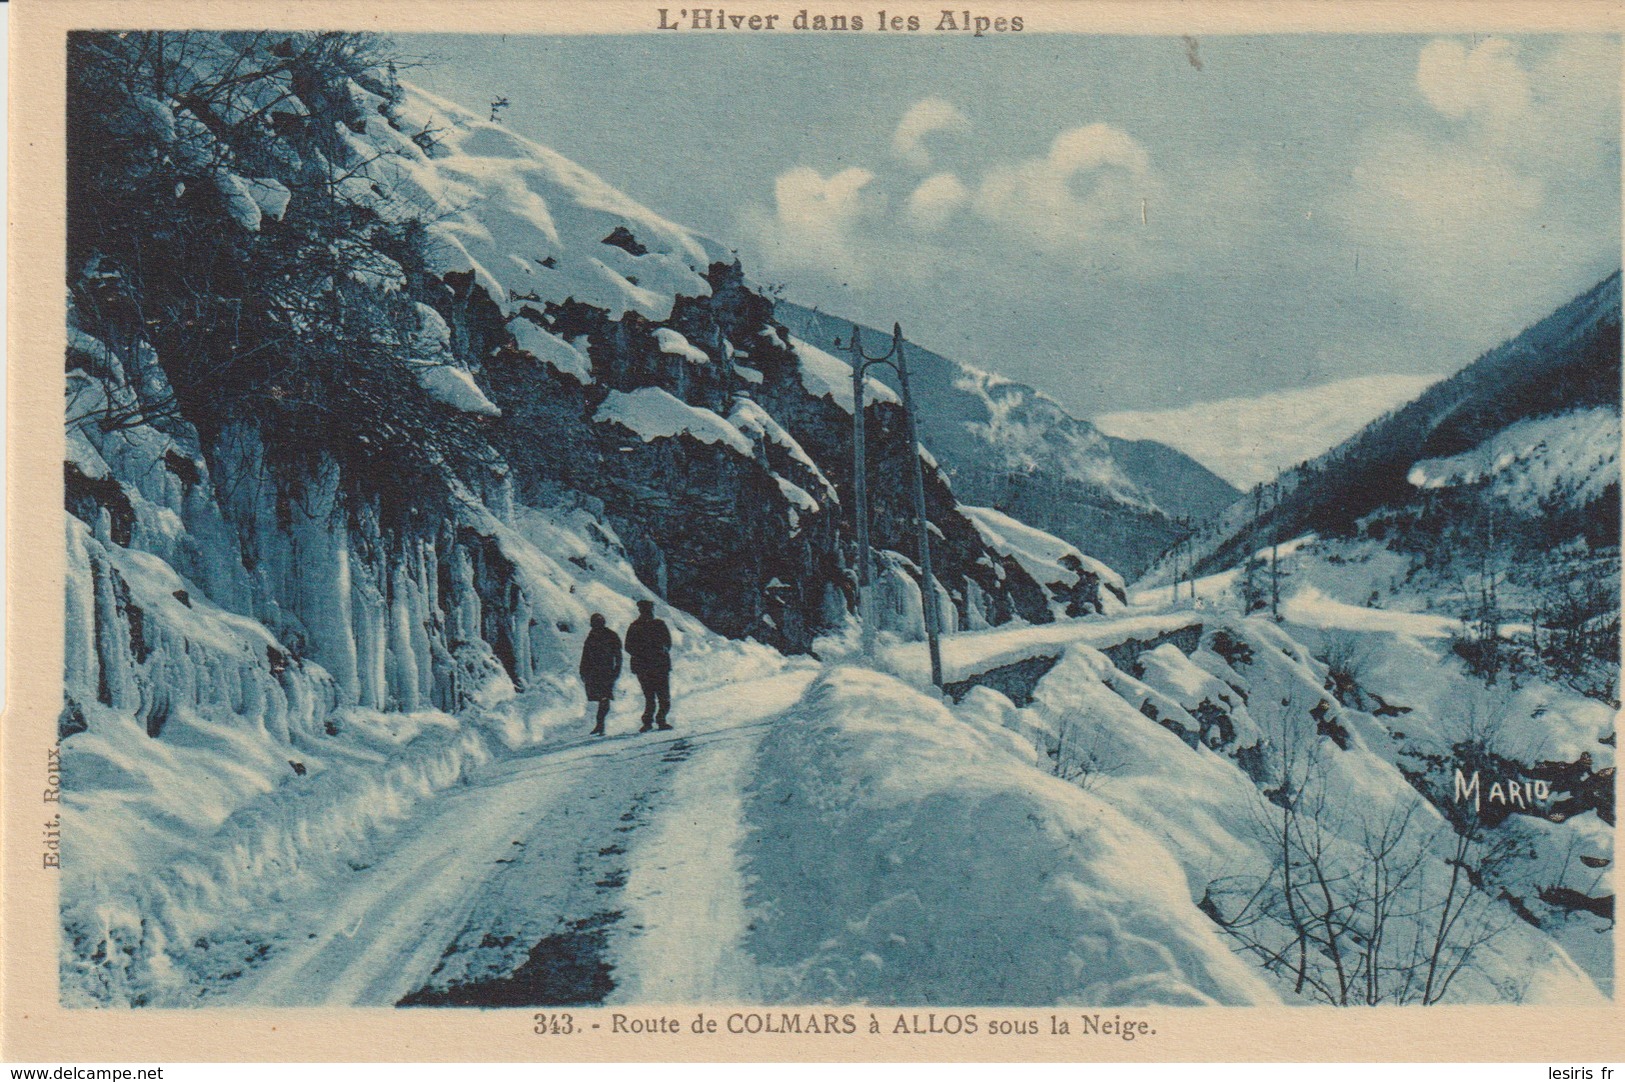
1456, 565
1183, 487
1250, 440
1536, 415
371, 405
1222, 737
1572, 457
1005, 445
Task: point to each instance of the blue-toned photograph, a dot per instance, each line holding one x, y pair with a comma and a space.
821, 520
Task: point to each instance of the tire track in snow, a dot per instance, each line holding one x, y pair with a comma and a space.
687, 888
527, 867
665, 919
559, 899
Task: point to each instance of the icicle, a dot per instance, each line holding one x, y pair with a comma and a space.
976, 617
371, 643
317, 562
464, 617
947, 610
402, 663
422, 610
82, 672
519, 635
118, 685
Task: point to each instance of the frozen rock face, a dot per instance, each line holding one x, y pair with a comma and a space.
174, 572
369, 406
723, 468
528, 338
575, 304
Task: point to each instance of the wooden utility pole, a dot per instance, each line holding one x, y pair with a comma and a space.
1190, 556
1173, 596
1275, 553
898, 362
860, 491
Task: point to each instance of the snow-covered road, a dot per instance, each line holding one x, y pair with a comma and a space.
533, 883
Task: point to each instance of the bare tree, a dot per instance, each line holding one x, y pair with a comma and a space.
1353, 908
1345, 655
1086, 761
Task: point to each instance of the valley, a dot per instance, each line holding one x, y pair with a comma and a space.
375, 406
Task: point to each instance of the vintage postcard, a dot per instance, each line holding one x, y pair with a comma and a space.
813, 531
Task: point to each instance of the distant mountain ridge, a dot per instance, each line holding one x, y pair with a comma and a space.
1181, 485
1006, 445
1248, 440
1565, 366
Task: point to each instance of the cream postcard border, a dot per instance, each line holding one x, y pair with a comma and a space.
34, 1027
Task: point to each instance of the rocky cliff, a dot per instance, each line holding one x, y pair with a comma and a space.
332, 340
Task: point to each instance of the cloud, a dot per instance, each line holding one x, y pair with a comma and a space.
1094, 180
1097, 146
814, 220
936, 200
923, 118
1473, 211
1092, 204
1485, 82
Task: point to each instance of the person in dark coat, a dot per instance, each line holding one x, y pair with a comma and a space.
648, 643
600, 667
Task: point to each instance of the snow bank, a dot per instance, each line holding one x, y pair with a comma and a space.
1042, 555
550, 349
239, 201
972, 652
754, 421
675, 344
900, 856
796, 496
1308, 605
155, 937
651, 413
272, 196
530, 225
1194, 801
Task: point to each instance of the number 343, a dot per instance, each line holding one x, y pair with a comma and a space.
553, 1025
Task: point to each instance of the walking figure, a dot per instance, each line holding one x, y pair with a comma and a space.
600, 667
648, 642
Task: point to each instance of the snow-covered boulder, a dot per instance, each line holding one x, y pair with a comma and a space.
455, 387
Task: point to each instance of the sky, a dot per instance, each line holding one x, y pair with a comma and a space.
1123, 222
